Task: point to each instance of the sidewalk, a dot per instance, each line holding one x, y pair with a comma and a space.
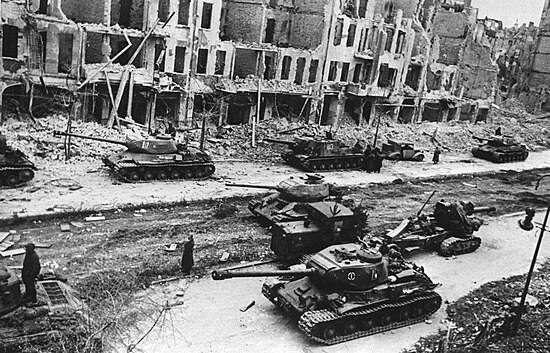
49, 193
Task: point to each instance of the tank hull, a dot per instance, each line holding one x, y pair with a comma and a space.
499, 155
15, 169
324, 163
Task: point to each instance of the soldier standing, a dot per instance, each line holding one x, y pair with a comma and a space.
437, 152
31, 269
377, 160
187, 261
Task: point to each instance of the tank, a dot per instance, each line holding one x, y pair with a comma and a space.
320, 154
449, 229
500, 149
349, 291
301, 220
155, 159
15, 167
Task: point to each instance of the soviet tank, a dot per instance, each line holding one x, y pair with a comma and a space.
320, 154
500, 149
349, 291
301, 220
155, 159
15, 167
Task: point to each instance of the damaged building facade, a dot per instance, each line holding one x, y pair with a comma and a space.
320, 61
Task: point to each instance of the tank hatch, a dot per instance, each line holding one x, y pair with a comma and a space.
154, 146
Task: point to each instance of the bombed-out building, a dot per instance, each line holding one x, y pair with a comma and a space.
321, 61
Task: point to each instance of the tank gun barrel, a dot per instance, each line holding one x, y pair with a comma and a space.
254, 186
63, 133
479, 138
224, 274
284, 142
481, 209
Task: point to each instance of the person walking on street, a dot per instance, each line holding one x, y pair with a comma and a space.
31, 269
437, 152
187, 261
377, 160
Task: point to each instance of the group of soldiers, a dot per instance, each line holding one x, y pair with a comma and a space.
373, 160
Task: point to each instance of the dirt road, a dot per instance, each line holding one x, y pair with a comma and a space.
209, 320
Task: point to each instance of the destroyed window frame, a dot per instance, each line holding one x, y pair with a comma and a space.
332, 71
219, 67
345, 72
338, 29
206, 15
202, 61
357, 73
163, 12
300, 68
352, 28
269, 35
178, 56
313, 68
286, 63
362, 8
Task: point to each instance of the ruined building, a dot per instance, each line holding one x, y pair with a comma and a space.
321, 61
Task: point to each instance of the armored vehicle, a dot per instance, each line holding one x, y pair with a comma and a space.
349, 291
320, 153
155, 158
449, 229
500, 149
15, 167
401, 150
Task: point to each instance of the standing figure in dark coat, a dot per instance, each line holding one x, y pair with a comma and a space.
377, 160
368, 159
437, 152
170, 130
31, 269
187, 261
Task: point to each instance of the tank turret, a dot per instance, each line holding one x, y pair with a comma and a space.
320, 153
154, 158
308, 189
15, 168
500, 149
349, 291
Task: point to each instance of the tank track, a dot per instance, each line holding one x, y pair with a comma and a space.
458, 246
329, 163
15, 174
188, 171
497, 157
312, 323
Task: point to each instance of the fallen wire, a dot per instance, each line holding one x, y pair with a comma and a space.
132, 346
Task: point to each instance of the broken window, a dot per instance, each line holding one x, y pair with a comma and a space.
270, 71
386, 77
179, 59
65, 54
389, 39
363, 8
367, 71
183, 12
344, 74
363, 40
300, 66
125, 15
285, 70
351, 35
10, 41
332, 71
206, 21
338, 31
160, 51
202, 61
313, 66
400, 42
220, 62
372, 39
164, 10
389, 12
433, 80
269, 30
413, 75
357, 73
43, 7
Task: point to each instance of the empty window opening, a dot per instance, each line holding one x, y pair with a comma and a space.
389, 39
270, 70
179, 59
432, 112
413, 76
285, 70
338, 31
433, 80
10, 41
363, 40
371, 41
406, 113
300, 66
43, 7
357, 73
246, 63
160, 51
367, 71
65, 54
202, 61
206, 21
164, 10
386, 77
389, 12
363, 8
344, 74
125, 14
482, 114
183, 12
332, 70
313, 66
351, 35
400, 42
269, 30
220, 62
43, 45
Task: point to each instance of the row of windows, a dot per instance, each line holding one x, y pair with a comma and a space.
202, 61
183, 13
364, 42
300, 68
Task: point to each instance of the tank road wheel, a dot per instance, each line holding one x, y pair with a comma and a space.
134, 176
386, 318
199, 173
368, 323
12, 180
404, 314
339, 165
27, 175
347, 165
148, 175
351, 327
322, 166
188, 174
330, 166
418, 311
162, 175
314, 166
175, 175
208, 170
330, 331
